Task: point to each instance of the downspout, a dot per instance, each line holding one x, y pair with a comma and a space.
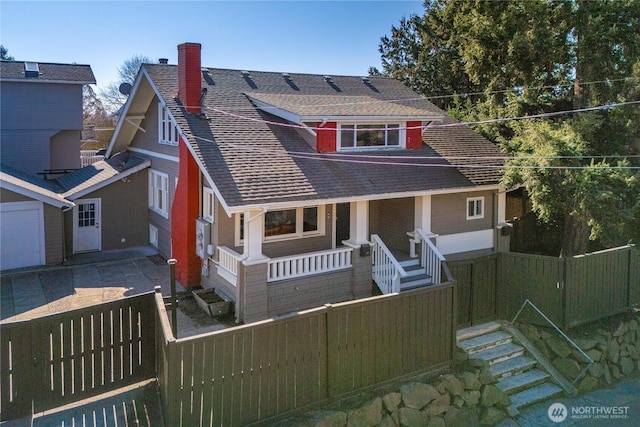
496, 231
64, 236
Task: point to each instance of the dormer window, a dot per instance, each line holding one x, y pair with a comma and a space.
168, 130
370, 136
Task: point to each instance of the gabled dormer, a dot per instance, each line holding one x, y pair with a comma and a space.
343, 123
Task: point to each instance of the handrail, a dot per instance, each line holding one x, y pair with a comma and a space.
387, 271
581, 374
441, 260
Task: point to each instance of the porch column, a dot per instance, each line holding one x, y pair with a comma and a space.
422, 217
252, 304
359, 219
253, 235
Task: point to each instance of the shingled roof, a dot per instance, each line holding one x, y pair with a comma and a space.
49, 73
255, 157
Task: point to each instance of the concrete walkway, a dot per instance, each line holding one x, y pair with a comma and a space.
87, 279
616, 406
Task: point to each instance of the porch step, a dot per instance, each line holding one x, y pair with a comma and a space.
534, 395
512, 366
481, 342
499, 353
474, 331
521, 381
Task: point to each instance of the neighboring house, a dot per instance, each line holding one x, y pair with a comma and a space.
288, 191
90, 209
41, 110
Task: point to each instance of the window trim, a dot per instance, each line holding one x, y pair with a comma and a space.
402, 135
167, 125
298, 234
153, 205
476, 201
208, 201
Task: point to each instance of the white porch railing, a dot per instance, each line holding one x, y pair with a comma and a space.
387, 271
308, 264
88, 157
431, 258
228, 264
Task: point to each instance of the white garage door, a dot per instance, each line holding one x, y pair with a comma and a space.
21, 234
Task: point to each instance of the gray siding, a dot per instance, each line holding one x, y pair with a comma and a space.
124, 212
391, 220
53, 235
65, 149
149, 141
449, 213
31, 115
308, 292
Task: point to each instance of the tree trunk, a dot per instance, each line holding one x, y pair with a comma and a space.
575, 240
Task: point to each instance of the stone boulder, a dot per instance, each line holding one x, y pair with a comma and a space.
418, 395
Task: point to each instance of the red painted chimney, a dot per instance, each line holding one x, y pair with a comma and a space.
189, 76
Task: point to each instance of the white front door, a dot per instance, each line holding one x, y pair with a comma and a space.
86, 225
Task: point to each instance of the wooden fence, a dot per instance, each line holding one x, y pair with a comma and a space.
570, 291
250, 373
61, 358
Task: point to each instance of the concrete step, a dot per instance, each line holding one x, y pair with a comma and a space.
474, 331
521, 381
481, 342
512, 366
499, 353
534, 395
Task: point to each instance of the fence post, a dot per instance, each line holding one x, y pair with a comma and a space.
564, 277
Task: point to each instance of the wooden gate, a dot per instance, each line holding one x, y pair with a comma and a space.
65, 357
476, 287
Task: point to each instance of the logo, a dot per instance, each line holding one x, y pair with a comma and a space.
557, 412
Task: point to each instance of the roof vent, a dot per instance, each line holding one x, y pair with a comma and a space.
31, 69
286, 76
245, 73
163, 61
327, 79
365, 80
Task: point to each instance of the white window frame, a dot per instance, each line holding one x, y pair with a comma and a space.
153, 236
208, 205
159, 196
478, 202
167, 127
298, 234
402, 135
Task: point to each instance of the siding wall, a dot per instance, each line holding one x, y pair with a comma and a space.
391, 220
65, 149
124, 212
149, 141
448, 213
53, 234
32, 114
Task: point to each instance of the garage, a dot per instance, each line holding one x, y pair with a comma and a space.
21, 234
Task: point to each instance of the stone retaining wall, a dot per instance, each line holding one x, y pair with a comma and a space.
615, 355
463, 399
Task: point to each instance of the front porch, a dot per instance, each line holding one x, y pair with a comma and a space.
297, 282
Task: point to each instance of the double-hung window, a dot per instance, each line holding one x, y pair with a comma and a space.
362, 136
207, 204
159, 192
167, 128
475, 207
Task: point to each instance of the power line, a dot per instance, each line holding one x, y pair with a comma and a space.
431, 125
366, 159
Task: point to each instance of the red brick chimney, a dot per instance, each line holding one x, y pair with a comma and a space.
189, 76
